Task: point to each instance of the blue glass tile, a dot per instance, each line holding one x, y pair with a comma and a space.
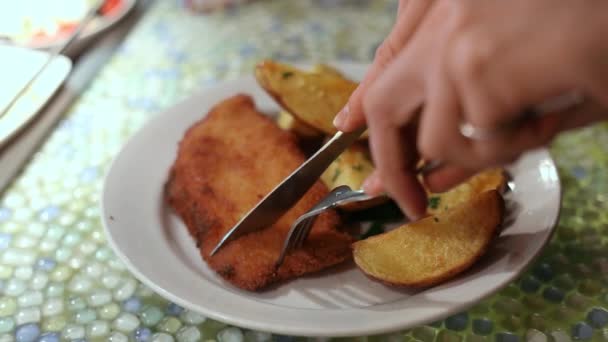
506, 337
582, 331
457, 322
482, 326
597, 317
553, 294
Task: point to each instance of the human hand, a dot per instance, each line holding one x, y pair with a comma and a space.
481, 62
409, 16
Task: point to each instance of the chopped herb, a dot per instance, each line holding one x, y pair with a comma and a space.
336, 175
375, 229
287, 74
358, 167
434, 202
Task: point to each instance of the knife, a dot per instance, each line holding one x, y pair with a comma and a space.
290, 190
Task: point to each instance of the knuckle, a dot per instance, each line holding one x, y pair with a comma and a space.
470, 55
428, 147
385, 52
372, 116
459, 12
375, 109
487, 154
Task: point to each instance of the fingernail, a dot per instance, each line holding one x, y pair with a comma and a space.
414, 218
417, 216
418, 212
411, 213
340, 118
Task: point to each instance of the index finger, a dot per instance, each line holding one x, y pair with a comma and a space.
394, 153
409, 15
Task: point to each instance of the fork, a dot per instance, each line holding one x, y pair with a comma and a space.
300, 229
339, 196
342, 196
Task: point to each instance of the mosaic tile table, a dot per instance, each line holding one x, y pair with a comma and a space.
59, 280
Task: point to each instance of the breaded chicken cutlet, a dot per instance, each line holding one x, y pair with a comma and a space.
226, 164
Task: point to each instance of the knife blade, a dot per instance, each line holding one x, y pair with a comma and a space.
291, 189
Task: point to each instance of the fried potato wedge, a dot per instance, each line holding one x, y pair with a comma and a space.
291, 124
326, 69
434, 249
493, 179
312, 97
351, 168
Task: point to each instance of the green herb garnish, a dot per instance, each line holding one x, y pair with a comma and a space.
434, 202
287, 74
336, 175
358, 167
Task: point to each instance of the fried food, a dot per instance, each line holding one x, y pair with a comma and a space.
493, 179
227, 163
291, 124
312, 97
350, 168
434, 249
326, 69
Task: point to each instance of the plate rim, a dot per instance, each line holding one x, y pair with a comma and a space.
60, 63
105, 23
297, 330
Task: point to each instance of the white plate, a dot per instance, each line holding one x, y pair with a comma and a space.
18, 65
156, 247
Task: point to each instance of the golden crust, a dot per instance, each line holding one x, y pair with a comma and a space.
314, 98
226, 163
434, 249
492, 179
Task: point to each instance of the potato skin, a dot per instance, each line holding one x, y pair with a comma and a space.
426, 241
326, 69
492, 179
351, 168
312, 97
294, 125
